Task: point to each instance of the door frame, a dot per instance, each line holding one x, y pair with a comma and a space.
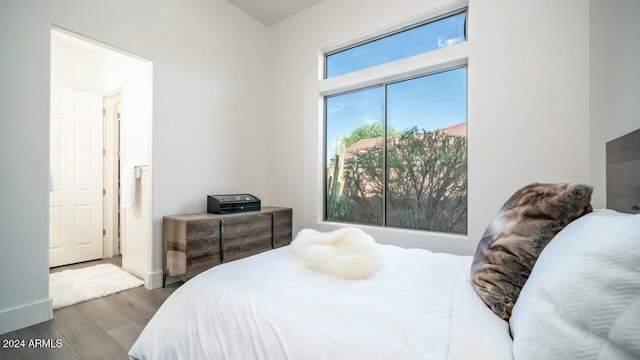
141, 261
111, 163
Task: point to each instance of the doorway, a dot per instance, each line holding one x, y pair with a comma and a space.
100, 206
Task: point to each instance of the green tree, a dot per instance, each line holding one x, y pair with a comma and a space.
426, 181
364, 185
368, 132
337, 206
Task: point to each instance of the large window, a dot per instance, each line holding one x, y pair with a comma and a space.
396, 152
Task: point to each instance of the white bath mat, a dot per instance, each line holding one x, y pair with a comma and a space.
70, 287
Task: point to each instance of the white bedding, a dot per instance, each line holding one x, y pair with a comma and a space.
420, 305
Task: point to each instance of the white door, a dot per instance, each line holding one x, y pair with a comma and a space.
76, 209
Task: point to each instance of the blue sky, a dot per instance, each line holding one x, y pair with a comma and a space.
431, 36
429, 102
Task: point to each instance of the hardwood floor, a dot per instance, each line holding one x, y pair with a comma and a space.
103, 328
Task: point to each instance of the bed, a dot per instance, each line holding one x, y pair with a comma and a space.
581, 300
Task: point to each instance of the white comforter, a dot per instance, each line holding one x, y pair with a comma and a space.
420, 305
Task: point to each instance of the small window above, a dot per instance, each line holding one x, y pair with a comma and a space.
433, 35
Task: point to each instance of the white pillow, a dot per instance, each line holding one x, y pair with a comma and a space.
582, 300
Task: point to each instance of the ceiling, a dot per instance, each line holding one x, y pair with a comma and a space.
270, 12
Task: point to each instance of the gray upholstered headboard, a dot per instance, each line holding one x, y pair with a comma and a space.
623, 173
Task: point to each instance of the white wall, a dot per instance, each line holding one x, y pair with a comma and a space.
528, 103
24, 164
614, 28
136, 150
210, 87
76, 65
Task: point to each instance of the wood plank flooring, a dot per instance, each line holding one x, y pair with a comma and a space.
103, 328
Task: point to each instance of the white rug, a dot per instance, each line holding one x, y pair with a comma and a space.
70, 287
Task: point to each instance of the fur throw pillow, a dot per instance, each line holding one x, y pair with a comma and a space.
347, 253
510, 246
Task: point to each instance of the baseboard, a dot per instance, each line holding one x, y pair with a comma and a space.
134, 267
153, 280
25, 315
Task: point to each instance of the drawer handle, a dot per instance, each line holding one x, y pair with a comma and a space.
221, 240
273, 230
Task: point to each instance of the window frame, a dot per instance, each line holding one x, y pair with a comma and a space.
382, 75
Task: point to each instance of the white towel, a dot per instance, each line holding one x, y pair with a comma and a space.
127, 186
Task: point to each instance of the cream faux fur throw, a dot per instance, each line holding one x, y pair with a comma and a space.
347, 253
